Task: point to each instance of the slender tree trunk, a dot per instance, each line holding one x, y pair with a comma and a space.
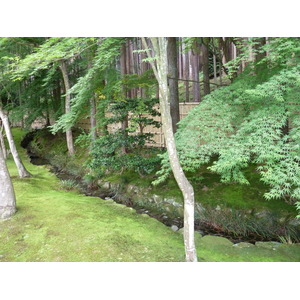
215, 69
2, 143
21, 169
187, 76
20, 101
48, 123
93, 110
69, 135
195, 76
7, 194
179, 63
161, 71
173, 81
124, 68
56, 96
93, 118
261, 55
206, 67
143, 67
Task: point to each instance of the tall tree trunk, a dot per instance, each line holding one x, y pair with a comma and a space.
259, 55
206, 66
21, 169
20, 101
123, 60
2, 143
161, 72
48, 123
225, 43
69, 135
173, 81
93, 110
215, 69
56, 96
179, 58
7, 193
195, 75
187, 75
143, 67
93, 120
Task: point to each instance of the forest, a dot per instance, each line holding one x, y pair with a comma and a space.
149, 149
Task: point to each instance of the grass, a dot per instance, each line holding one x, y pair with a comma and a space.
56, 225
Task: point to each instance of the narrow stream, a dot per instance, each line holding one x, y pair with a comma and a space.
175, 222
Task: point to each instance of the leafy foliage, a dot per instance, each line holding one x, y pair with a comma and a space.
254, 120
107, 151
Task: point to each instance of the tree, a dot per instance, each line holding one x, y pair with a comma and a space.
160, 69
205, 57
2, 143
21, 169
187, 73
69, 135
55, 52
173, 81
126, 94
7, 194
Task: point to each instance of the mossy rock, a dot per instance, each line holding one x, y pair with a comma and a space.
243, 245
268, 245
109, 201
211, 240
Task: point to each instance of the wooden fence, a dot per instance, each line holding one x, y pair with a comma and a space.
158, 138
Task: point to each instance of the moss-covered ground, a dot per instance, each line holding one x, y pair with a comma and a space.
208, 188
56, 225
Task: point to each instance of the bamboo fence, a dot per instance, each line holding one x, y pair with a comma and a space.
158, 138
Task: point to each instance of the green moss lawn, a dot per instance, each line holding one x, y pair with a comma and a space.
56, 225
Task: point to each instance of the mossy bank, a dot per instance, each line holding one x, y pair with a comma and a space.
232, 209
52, 224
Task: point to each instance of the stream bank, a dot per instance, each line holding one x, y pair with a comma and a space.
232, 224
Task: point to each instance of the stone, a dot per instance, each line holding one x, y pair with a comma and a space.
106, 185
156, 198
268, 245
218, 208
262, 214
109, 200
1, 256
174, 228
244, 245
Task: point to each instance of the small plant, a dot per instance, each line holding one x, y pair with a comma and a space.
90, 180
286, 239
69, 185
237, 224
